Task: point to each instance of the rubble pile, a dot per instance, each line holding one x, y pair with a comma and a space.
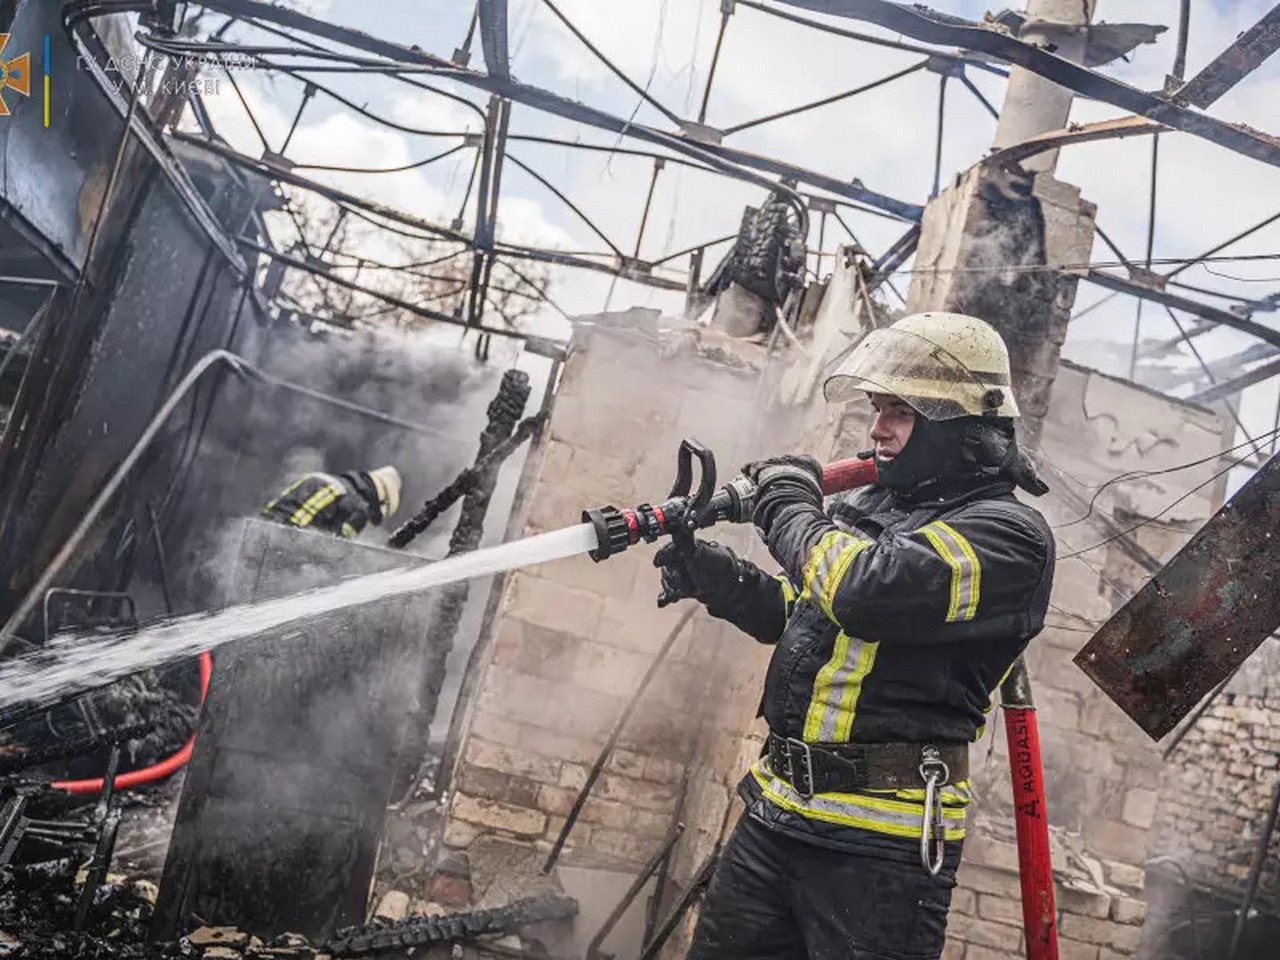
38, 903
37, 910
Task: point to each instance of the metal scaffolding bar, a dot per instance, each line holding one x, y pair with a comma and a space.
1184, 33
1222, 246
941, 129
648, 204
568, 203
568, 260
1227, 388
1231, 408
704, 245
725, 12
1151, 241
990, 107
957, 56
613, 68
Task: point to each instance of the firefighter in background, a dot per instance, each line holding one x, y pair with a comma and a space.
342, 504
897, 614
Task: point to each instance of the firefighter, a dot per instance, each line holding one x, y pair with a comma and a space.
342, 504
897, 614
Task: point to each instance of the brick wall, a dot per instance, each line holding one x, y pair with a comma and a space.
1213, 803
573, 638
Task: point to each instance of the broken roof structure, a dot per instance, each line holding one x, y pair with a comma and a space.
200, 306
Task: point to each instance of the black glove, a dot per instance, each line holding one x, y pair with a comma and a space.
706, 574
780, 481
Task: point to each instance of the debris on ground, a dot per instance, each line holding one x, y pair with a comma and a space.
38, 901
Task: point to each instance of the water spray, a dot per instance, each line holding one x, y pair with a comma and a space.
70, 665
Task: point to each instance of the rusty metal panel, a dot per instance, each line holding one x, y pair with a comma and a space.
1197, 619
283, 804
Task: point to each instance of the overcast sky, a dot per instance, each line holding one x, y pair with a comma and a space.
884, 138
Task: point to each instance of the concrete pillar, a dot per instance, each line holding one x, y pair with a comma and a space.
1032, 104
985, 240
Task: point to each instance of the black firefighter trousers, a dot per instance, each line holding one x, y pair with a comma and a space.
777, 898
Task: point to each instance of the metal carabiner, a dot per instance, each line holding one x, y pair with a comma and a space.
934, 773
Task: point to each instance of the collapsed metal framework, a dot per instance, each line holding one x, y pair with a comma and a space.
303, 47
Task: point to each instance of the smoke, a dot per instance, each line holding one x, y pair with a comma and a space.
261, 437
251, 439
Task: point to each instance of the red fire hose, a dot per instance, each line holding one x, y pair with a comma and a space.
1035, 868
157, 771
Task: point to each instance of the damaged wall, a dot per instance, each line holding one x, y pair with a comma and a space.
571, 632
574, 637
1214, 801
1104, 775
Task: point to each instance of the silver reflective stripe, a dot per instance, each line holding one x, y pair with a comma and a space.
879, 814
836, 690
827, 563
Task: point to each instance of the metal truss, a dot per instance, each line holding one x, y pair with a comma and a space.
950, 47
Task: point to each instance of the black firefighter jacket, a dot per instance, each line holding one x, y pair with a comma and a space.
322, 501
893, 622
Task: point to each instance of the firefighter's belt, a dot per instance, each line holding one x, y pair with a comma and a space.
826, 767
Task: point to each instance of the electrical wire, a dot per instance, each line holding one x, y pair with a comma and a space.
1227, 276
1146, 521
408, 166
1143, 474
1088, 265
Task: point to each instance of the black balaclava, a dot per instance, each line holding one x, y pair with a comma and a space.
942, 457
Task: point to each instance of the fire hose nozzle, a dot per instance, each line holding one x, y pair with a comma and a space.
614, 531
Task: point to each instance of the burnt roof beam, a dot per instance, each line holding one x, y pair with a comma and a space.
736, 163
1205, 312
1235, 63
1225, 389
929, 26
493, 37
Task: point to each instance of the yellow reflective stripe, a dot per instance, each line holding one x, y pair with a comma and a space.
789, 595
349, 531
953, 794
313, 505
880, 814
828, 562
285, 492
966, 570
836, 689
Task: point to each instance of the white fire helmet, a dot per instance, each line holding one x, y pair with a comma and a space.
946, 365
386, 480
